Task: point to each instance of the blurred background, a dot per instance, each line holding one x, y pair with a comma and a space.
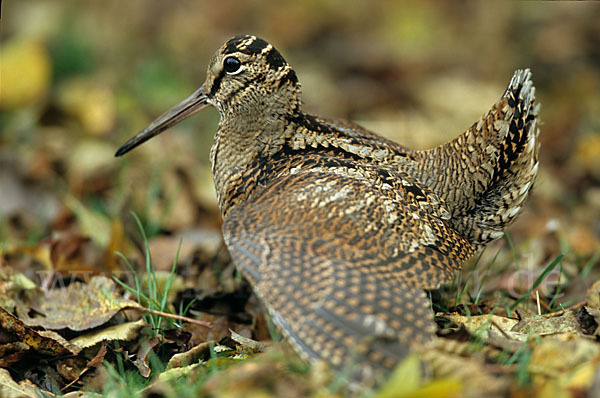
79, 78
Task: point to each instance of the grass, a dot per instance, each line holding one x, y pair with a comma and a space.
461, 288
121, 382
152, 298
549, 268
485, 276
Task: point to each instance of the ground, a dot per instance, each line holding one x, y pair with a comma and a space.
81, 302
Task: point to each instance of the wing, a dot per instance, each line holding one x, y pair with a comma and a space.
340, 258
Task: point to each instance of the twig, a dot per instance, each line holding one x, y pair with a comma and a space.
173, 316
540, 302
571, 308
502, 332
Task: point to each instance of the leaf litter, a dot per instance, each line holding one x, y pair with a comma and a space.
522, 320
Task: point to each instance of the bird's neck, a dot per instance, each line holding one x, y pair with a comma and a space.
239, 144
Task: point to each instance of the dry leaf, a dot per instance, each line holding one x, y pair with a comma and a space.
540, 325
78, 306
127, 331
22, 58
197, 353
142, 359
10, 389
12, 353
254, 345
32, 338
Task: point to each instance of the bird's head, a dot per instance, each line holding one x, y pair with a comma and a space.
247, 80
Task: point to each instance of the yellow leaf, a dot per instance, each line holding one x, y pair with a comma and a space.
405, 382
91, 101
34, 339
25, 71
124, 332
406, 378
552, 389
442, 388
581, 377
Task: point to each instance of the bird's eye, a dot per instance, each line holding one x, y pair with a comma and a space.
232, 65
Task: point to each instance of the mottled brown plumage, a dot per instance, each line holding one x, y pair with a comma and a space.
339, 230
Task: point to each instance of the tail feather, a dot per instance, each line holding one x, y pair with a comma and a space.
485, 174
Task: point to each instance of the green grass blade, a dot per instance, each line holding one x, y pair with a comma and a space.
485, 276
539, 280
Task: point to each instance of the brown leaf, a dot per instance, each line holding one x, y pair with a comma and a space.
14, 288
98, 358
12, 353
79, 306
472, 371
10, 389
593, 295
31, 337
197, 353
92, 363
588, 319
143, 355
219, 330
265, 373
540, 325
71, 368
254, 345
72, 253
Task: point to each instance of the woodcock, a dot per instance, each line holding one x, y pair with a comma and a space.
339, 230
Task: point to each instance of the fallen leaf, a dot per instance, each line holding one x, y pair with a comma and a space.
265, 375
92, 363
540, 325
197, 353
116, 243
12, 353
59, 339
472, 371
73, 254
14, 288
71, 368
548, 357
82, 394
254, 345
405, 379
593, 295
10, 389
553, 389
127, 331
91, 101
78, 306
31, 337
23, 57
142, 359
481, 322
93, 224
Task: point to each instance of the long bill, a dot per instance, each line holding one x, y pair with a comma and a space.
186, 108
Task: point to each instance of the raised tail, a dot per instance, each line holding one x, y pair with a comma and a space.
486, 173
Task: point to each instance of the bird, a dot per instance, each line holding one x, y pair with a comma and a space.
340, 231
